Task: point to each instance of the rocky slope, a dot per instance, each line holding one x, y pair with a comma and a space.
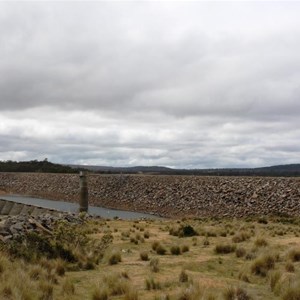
172, 196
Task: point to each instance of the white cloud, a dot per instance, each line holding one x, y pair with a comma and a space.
184, 84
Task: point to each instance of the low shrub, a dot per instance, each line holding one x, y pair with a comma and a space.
183, 231
144, 256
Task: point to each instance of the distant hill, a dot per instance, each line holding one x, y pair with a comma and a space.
36, 166
47, 167
280, 170
130, 170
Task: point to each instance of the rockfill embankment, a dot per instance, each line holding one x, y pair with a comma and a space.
169, 196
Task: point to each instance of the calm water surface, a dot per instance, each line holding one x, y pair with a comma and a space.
72, 207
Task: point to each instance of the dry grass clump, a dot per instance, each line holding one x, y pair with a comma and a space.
99, 294
224, 248
154, 265
192, 292
131, 294
206, 242
238, 293
68, 288
241, 236
144, 256
3, 263
161, 250
292, 292
46, 289
185, 248
175, 250
60, 267
244, 277
294, 254
263, 264
152, 284
240, 252
183, 276
115, 284
289, 267
154, 245
115, 258
261, 242
274, 278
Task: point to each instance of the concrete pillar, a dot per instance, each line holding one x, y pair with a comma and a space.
84, 199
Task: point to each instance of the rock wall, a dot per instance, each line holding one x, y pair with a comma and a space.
172, 196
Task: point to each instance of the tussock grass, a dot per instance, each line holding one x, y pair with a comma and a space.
175, 250
292, 291
152, 284
263, 264
192, 292
260, 242
154, 265
224, 248
241, 237
54, 278
68, 288
240, 252
274, 278
238, 293
183, 276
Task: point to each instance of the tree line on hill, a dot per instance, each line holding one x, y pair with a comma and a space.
36, 166
47, 167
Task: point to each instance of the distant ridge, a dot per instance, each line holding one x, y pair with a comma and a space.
278, 170
47, 167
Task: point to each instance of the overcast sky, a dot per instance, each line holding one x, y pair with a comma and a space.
180, 84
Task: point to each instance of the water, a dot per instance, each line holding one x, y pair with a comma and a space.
72, 207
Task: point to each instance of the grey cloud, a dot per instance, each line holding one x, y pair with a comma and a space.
181, 84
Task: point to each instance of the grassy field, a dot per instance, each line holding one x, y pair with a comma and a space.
163, 259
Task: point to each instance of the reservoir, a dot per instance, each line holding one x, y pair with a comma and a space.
73, 207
